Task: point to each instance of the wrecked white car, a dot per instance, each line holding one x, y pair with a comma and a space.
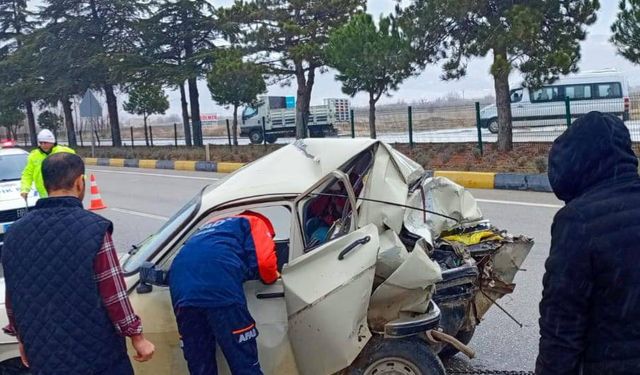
382, 266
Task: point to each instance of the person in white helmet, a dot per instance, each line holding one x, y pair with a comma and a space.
32, 172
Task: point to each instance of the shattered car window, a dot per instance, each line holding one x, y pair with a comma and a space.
326, 214
358, 171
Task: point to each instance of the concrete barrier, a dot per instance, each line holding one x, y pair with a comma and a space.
472, 180
510, 181
181, 165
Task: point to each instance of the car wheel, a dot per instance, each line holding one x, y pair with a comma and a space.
397, 357
256, 137
462, 336
493, 126
271, 139
13, 366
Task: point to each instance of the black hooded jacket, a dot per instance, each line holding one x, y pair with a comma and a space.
590, 309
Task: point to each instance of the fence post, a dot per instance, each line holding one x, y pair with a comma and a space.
479, 125
353, 124
151, 134
229, 133
207, 150
132, 142
264, 131
410, 114
175, 133
80, 136
567, 104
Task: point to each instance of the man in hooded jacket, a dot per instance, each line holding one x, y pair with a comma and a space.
590, 309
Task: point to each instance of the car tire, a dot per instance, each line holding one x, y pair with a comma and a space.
271, 139
255, 136
396, 356
493, 126
462, 336
13, 366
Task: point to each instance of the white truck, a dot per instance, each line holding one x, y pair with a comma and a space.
279, 114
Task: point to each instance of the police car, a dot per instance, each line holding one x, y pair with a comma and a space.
12, 206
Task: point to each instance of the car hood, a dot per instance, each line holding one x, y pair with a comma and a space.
491, 107
10, 196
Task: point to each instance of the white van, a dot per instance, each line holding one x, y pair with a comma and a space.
606, 91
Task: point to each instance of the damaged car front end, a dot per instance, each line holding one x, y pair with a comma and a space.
380, 262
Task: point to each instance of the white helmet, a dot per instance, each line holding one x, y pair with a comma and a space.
46, 135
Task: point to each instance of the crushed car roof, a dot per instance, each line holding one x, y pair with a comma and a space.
296, 167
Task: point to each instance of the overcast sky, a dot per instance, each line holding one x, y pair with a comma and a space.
597, 53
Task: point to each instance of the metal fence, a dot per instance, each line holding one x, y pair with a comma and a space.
466, 122
531, 123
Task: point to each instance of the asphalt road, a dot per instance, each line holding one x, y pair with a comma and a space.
140, 201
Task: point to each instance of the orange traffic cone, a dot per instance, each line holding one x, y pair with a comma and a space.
96, 199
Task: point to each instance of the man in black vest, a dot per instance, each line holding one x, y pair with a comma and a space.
66, 294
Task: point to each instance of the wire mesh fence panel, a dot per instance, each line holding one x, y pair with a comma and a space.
447, 124
361, 122
633, 122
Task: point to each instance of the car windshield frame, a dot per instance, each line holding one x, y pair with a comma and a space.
5, 175
149, 248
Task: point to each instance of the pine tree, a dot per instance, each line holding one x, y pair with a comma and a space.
16, 22
107, 29
289, 37
540, 38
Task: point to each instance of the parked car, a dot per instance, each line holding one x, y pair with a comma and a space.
12, 205
605, 90
12, 208
8, 143
399, 255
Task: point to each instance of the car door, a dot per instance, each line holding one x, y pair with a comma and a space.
265, 302
547, 107
518, 106
327, 289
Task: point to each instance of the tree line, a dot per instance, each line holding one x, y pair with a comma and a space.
142, 47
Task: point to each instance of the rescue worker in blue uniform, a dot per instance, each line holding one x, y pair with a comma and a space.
206, 280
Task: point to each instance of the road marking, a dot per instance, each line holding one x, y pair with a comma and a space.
155, 175
527, 204
138, 213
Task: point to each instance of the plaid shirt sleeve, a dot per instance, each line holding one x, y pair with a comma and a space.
113, 290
